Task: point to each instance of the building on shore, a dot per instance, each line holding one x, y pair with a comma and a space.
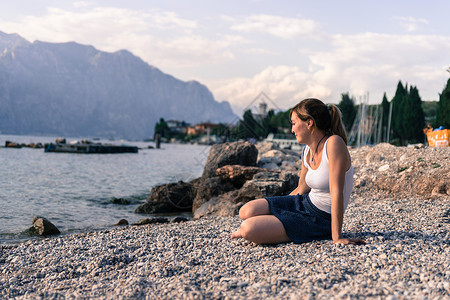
177, 126
284, 141
201, 129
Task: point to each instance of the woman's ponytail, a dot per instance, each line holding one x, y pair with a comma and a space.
336, 122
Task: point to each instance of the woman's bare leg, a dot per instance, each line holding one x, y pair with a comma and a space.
259, 225
254, 208
262, 229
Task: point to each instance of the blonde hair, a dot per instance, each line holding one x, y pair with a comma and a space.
326, 117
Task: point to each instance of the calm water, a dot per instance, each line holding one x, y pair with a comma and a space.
74, 191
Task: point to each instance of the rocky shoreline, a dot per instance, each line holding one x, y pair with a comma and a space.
400, 206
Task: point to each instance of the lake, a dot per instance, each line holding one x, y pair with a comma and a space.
76, 191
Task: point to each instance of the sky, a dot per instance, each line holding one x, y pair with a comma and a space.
286, 49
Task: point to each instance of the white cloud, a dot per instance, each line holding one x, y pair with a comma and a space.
285, 85
261, 51
372, 62
282, 27
79, 4
358, 64
187, 51
161, 38
412, 24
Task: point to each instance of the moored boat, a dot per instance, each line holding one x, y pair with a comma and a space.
90, 148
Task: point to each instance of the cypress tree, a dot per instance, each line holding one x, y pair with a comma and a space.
385, 106
414, 118
443, 113
348, 110
248, 127
162, 128
397, 114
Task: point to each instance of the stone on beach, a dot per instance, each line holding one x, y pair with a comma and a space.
167, 198
43, 227
122, 222
235, 153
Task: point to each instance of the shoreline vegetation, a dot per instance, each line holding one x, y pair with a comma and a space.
400, 205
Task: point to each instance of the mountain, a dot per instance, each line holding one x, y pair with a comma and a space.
68, 89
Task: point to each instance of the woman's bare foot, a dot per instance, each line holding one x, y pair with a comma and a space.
236, 235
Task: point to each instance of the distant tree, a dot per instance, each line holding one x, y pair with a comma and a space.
162, 128
408, 119
223, 131
398, 109
248, 127
443, 112
268, 125
430, 109
413, 118
385, 106
348, 110
281, 120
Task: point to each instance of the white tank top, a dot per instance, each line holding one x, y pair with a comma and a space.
319, 182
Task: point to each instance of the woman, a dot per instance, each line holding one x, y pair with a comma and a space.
315, 209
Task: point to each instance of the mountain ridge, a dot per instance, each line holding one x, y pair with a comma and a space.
76, 90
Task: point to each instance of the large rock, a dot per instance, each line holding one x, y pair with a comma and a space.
229, 178
235, 153
168, 198
263, 184
43, 227
264, 147
206, 188
266, 184
279, 159
221, 205
237, 174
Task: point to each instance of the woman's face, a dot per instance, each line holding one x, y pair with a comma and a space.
300, 128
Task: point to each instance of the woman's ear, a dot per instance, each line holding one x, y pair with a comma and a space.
310, 124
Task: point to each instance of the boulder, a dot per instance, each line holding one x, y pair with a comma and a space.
43, 227
266, 184
168, 198
237, 174
221, 205
279, 160
206, 188
265, 147
234, 153
263, 184
122, 222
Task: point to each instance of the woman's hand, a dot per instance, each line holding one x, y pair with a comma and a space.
350, 241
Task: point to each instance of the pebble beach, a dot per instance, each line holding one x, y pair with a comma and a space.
406, 255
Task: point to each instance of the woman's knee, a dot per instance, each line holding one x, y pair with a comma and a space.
264, 230
248, 230
254, 208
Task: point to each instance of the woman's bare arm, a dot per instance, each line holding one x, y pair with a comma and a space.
339, 163
302, 187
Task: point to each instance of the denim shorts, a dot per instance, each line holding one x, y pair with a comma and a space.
302, 221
